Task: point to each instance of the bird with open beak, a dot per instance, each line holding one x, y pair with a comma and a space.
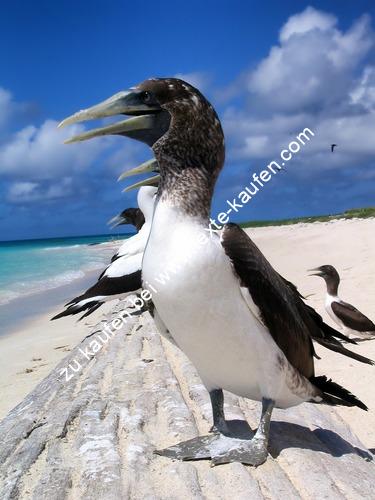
244, 327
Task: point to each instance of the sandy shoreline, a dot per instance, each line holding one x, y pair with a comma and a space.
349, 246
32, 345
30, 353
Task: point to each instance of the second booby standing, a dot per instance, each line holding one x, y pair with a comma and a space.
123, 276
347, 317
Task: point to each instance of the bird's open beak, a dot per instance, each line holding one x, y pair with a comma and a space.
118, 220
151, 181
148, 123
315, 272
146, 167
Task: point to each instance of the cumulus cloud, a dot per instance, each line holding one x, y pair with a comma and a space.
36, 167
39, 153
313, 64
363, 92
315, 77
29, 192
308, 20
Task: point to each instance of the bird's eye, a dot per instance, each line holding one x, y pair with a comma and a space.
146, 97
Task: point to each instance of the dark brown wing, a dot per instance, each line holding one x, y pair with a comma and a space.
352, 318
278, 302
292, 323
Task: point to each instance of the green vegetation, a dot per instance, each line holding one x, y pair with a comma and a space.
360, 213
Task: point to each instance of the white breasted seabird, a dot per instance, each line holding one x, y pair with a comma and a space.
244, 327
136, 244
123, 276
347, 317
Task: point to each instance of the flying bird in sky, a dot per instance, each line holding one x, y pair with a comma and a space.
347, 317
244, 327
333, 147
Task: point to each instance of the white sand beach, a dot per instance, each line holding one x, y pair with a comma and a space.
29, 354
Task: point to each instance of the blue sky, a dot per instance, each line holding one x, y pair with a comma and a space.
270, 68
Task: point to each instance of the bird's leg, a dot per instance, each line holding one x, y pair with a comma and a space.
222, 448
217, 403
252, 452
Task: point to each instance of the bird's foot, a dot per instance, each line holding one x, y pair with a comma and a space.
220, 449
250, 452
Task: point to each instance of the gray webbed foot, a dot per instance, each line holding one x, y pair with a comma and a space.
220, 449
223, 448
194, 449
250, 452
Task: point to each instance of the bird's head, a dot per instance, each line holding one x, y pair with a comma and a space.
327, 272
131, 216
169, 115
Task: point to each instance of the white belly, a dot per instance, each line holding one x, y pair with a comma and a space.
329, 300
202, 306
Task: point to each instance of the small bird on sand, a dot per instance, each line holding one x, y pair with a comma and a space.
350, 320
244, 327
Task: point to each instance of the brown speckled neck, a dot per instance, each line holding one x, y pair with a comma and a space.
191, 154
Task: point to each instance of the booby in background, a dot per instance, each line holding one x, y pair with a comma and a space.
123, 276
347, 317
244, 327
133, 216
136, 244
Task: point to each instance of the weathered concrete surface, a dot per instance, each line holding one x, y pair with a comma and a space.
93, 437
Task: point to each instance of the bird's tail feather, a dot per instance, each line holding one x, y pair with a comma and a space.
93, 308
335, 394
89, 307
338, 347
332, 332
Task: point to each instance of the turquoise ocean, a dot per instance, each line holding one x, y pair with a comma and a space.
30, 267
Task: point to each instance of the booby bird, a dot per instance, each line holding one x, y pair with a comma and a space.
349, 319
245, 328
133, 216
136, 244
123, 276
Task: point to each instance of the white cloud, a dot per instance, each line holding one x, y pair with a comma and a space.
21, 190
39, 153
363, 93
308, 20
38, 165
310, 79
312, 65
28, 192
